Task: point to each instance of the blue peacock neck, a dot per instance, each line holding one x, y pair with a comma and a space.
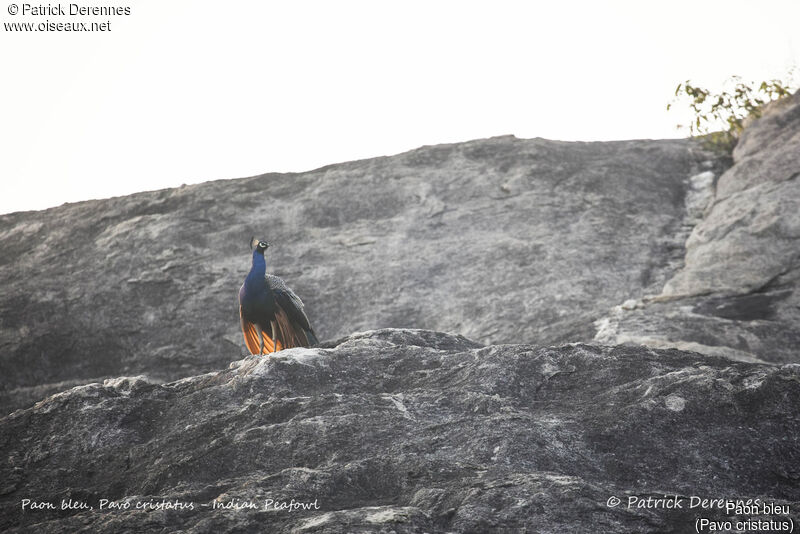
256, 297
255, 278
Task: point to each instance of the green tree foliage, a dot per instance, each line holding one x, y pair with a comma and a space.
719, 118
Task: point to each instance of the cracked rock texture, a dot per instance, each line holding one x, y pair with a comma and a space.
412, 431
736, 295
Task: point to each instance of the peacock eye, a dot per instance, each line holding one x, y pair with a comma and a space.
263, 244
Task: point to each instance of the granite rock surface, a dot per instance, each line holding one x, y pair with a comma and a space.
412, 431
502, 240
737, 293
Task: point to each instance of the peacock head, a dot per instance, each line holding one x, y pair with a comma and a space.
259, 245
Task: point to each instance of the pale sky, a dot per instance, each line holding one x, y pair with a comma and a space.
188, 91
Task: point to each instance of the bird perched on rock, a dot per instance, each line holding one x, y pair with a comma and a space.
272, 316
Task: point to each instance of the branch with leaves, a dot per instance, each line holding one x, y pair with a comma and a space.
720, 117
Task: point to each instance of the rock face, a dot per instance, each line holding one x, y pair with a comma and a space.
501, 240
737, 293
413, 431
666, 288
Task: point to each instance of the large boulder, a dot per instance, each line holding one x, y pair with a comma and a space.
414, 431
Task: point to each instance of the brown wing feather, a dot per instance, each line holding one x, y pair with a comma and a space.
288, 335
269, 345
251, 337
